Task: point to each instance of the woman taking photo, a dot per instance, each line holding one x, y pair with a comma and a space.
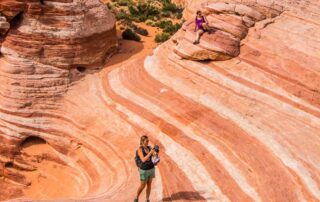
146, 169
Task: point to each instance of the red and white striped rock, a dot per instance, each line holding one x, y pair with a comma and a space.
244, 129
229, 24
64, 35
44, 51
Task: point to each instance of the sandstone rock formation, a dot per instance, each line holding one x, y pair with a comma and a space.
244, 129
48, 47
229, 24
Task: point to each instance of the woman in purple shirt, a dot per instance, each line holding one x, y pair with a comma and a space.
201, 26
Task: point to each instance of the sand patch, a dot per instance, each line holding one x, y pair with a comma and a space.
51, 180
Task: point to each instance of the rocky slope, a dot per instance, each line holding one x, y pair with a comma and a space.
242, 129
46, 47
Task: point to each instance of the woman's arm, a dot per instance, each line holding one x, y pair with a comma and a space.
144, 158
205, 19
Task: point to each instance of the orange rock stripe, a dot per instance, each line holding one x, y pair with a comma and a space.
225, 131
178, 72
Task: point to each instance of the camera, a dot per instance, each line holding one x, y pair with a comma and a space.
156, 148
155, 157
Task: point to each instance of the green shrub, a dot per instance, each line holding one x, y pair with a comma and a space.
133, 10
165, 14
168, 6
150, 23
124, 2
162, 37
110, 7
142, 12
171, 29
179, 15
121, 15
137, 29
141, 31
163, 24
130, 35
147, 9
168, 26
127, 22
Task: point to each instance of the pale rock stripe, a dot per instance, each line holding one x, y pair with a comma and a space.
295, 113
185, 160
274, 87
215, 76
85, 180
193, 169
151, 66
157, 190
118, 87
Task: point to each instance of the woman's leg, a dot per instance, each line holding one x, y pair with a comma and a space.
198, 35
205, 26
149, 182
142, 185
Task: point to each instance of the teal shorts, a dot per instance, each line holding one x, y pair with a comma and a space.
146, 174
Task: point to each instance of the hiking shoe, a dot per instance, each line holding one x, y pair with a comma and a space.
196, 42
135, 200
148, 200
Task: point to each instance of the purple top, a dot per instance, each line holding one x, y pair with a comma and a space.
199, 22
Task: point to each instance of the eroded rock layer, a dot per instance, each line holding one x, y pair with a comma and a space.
228, 24
244, 129
46, 46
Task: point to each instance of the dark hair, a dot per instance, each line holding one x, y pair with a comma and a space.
198, 11
142, 139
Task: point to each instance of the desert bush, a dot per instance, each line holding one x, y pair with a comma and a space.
138, 29
143, 11
133, 10
109, 5
171, 29
121, 15
165, 14
150, 23
124, 2
162, 37
129, 34
178, 15
141, 31
168, 6
168, 26
163, 24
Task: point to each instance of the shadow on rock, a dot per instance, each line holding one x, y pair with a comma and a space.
185, 195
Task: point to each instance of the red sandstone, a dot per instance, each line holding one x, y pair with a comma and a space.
242, 129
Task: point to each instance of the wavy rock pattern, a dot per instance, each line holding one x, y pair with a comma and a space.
229, 24
244, 129
50, 45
